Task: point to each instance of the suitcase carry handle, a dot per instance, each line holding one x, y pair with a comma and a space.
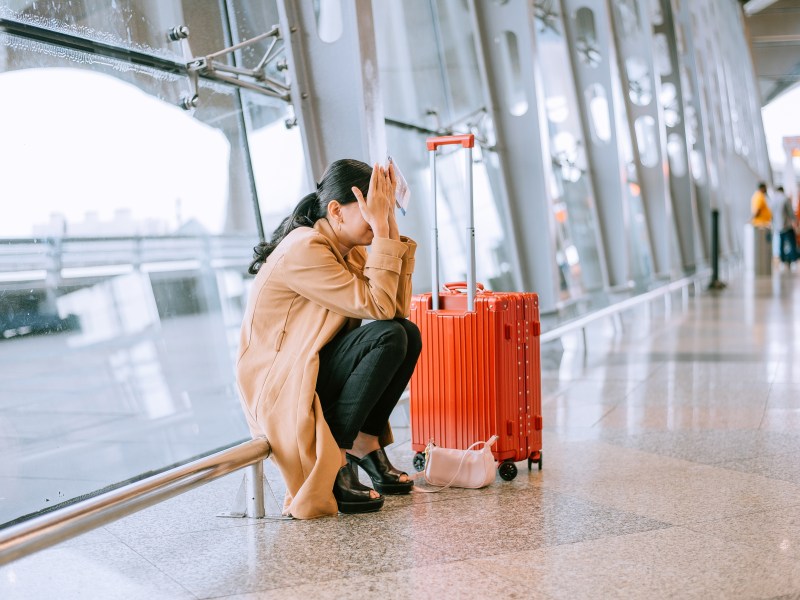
460, 285
467, 141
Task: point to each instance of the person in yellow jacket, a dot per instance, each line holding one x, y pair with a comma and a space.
312, 379
759, 208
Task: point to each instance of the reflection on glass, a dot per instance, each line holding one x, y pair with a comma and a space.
576, 228
628, 11
512, 75
647, 140
430, 78
587, 47
656, 16
491, 264
600, 118
89, 190
697, 166
640, 88
329, 19
140, 25
661, 55
677, 154
121, 272
669, 101
278, 159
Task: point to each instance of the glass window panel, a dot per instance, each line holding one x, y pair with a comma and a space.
586, 45
250, 18
676, 150
628, 12
277, 154
669, 102
600, 120
516, 98
429, 76
121, 272
647, 140
697, 166
576, 225
141, 25
640, 88
661, 55
656, 15
329, 19
427, 60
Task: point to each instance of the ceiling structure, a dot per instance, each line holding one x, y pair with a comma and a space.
773, 29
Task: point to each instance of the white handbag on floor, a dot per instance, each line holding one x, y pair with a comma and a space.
470, 468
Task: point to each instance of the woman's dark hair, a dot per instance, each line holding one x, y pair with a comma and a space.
336, 184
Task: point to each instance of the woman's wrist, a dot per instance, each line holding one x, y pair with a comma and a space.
381, 231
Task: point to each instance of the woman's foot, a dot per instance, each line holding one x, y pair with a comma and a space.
351, 495
385, 478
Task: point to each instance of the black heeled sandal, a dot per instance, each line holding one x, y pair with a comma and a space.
384, 476
351, 495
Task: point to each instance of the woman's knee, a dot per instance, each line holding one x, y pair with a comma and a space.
413, 336
391, 333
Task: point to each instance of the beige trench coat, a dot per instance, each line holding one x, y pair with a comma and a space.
302, 296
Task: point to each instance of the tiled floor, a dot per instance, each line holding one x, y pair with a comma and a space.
670, 470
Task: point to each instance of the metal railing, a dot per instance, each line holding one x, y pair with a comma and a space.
62, 524
617, 307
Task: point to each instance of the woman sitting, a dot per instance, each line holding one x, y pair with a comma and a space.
318, 384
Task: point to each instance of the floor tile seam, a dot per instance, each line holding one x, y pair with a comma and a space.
769, 455
357, 575
770, 477
689, 524
586, 495
578, 494
160, 570
611, 535
235, 524
736, 515
766, 405
742, 544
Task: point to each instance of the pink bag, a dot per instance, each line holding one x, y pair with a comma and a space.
468, 468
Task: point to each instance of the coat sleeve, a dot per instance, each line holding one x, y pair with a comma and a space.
403, 296
314, 272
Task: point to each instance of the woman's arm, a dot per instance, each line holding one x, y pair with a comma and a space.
403, 296
313, 271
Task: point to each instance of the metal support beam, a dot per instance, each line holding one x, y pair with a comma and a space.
335, 89
682, 189
697, 119
627, 246
504, 34
633, 36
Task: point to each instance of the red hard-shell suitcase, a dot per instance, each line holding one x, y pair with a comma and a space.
479, 373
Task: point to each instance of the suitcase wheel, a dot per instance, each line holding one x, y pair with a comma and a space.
419, 461
508, 470
536, 457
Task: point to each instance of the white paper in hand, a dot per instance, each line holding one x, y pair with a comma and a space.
402, 194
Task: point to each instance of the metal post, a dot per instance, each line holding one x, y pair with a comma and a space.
715, 284
434, 238
471, 284
254, 478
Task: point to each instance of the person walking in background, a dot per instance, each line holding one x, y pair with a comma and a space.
759, 208
788, 227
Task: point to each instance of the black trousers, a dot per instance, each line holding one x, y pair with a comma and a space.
362, 374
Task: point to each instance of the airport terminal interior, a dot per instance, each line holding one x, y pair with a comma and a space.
147, 147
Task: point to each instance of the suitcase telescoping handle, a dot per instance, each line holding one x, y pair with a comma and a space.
467, 141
